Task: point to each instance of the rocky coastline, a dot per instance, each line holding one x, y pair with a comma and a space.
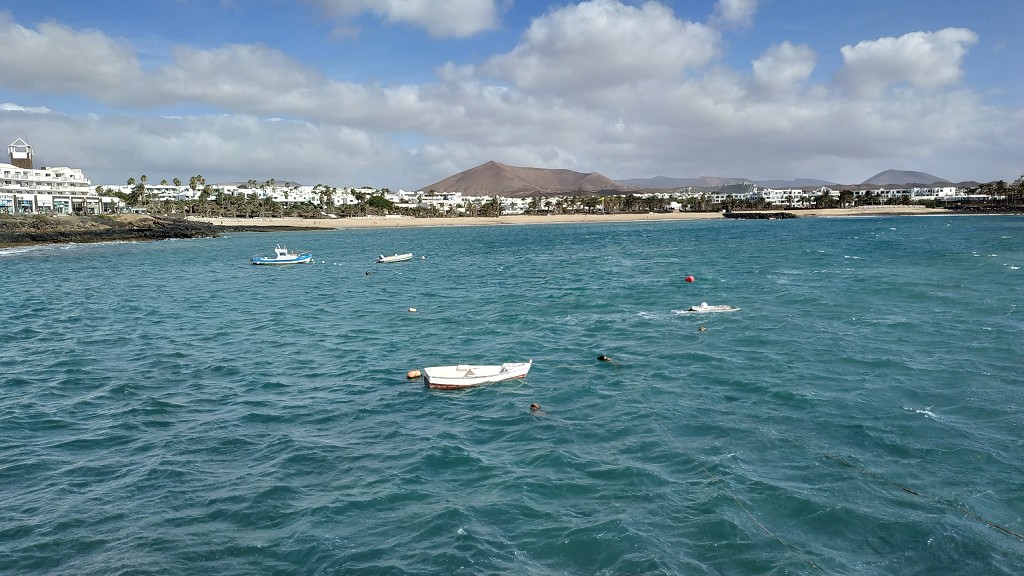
759, 215
60, 229
1001, 209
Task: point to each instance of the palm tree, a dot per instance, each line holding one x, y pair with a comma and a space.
136, 195
1016, 190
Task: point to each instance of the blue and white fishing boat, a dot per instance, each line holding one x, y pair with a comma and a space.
283, 256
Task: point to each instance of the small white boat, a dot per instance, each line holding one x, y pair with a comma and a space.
394, 258
283, 256
705, 307
467, 376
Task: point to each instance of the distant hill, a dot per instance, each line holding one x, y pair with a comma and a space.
278, 183
903, 178
496, 179
797, 183
666, 183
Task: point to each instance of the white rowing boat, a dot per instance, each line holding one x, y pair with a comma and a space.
394, 258
467, 376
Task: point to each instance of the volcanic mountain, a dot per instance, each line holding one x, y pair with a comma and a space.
903, 178
496, 179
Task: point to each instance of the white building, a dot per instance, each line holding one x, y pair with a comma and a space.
784, 196
47, 190
444, 201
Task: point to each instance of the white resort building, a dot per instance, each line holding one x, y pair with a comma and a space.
47, 190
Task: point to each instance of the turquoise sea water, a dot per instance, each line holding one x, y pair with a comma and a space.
167, 408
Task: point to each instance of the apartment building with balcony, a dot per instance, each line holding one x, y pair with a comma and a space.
25, 189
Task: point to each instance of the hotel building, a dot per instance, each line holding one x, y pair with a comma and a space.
25, 189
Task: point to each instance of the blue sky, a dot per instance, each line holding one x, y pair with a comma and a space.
403, 93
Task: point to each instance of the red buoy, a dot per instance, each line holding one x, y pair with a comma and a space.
689, 278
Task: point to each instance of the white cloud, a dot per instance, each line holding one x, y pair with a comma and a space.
451, 18
251, 78
9, 107
604, 43
600, 86
59, 59
734, 13
222, 148
926, 60
783, 66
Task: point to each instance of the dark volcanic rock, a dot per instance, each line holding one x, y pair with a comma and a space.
759, 215
27, 230
987, 208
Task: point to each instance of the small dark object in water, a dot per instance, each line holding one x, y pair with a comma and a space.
702, 329
604, 358
534, 407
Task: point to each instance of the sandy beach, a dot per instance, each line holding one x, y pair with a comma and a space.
405, 221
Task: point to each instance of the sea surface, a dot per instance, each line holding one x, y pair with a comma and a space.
168, 408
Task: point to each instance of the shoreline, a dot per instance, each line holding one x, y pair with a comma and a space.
257, 224
16, 231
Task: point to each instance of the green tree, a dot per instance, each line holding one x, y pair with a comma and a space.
380, 203
493, 207
1016, 191
137, 195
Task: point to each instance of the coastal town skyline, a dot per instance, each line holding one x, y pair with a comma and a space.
385, 95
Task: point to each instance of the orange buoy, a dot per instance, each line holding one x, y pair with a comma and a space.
413, 374
689, 278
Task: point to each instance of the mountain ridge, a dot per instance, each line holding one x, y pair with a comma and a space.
496, 179
667, 182
903, 177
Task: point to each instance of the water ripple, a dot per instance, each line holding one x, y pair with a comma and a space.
185, 411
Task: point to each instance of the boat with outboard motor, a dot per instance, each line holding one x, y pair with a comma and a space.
705, 307
283, 256
394, 258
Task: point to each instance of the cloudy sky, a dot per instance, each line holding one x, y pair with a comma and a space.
402, 93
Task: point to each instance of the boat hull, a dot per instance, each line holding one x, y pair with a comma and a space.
467, 376
300, 259
704, 307
394, 258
